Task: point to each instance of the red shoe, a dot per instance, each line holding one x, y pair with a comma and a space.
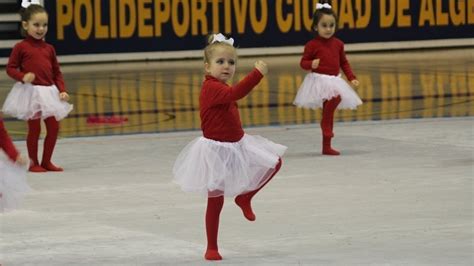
245, 204
51, 167
330, 151
327, 150
212, 254
37, 169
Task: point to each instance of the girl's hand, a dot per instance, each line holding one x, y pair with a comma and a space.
261, 66
64, 96
22, 160
355, 82
315, 64
28, 77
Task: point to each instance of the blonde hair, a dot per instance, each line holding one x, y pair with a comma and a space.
211, 46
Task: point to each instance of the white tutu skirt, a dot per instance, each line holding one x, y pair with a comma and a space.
13, 185
27, 101
317, 88
215, 168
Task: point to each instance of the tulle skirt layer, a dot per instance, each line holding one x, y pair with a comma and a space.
13, 185
27, 101
317, 88
215, 168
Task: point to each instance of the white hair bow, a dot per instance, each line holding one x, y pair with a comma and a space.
26, 3
221, 38
325, 5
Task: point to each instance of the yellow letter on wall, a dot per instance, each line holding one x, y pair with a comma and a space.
458, 17
198, 11
441, 17
64, 16
387, 17
426, 13
258, 26
126, 30
283, 24
144, 14
83, 31
162, 14
101, 31
180, 28
363, 19
403, 20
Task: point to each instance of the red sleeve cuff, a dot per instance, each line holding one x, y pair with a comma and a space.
258, 73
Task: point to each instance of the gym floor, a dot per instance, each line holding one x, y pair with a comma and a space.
400, 193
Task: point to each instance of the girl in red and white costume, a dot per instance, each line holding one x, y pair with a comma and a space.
225, 161
13, 184
40, 93
324, 88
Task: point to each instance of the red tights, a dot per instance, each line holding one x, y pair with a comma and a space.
213, 211
327, 124
34, 130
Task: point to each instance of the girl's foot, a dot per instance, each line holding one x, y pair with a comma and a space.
327, 149
212, 254
330, 151
51, 167
37, 169
244, 203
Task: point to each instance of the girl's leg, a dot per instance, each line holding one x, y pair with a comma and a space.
244, 201
327, 124
52, 127
213, 211
34, 130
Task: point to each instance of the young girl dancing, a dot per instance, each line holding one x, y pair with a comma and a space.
324, 88
40, 93
12, 173
225, 161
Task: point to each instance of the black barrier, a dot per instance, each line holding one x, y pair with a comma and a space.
124, 26
113, 26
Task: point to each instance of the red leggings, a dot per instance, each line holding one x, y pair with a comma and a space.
327, 124
213, 211
327, 121
34, 130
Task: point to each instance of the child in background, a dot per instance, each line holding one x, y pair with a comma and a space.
225, 161
40, 93
324, 88
12, 173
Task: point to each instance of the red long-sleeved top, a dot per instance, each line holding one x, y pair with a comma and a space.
38, 57
220, 119
6, 143
331, 55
